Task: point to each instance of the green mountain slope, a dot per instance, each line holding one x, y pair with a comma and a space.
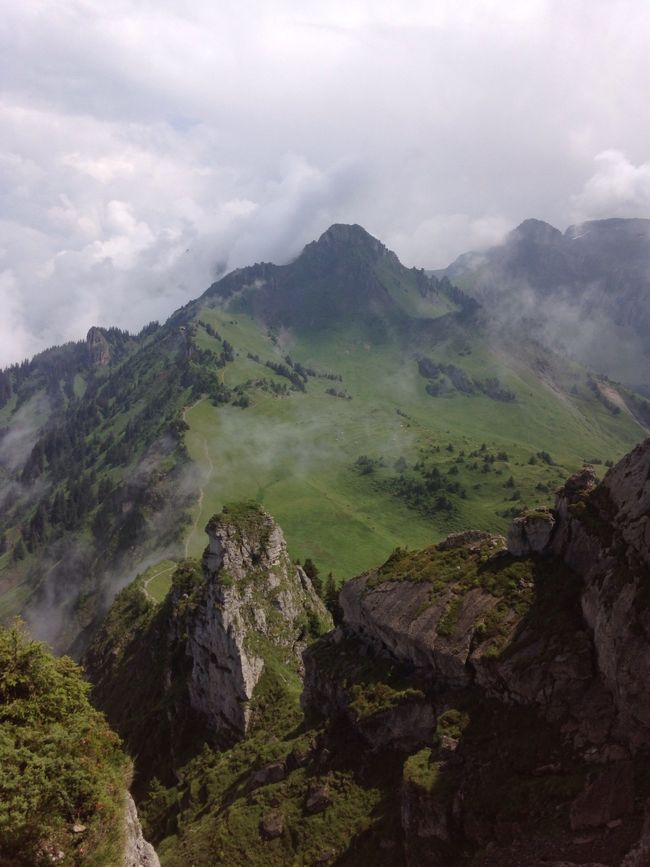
365, 404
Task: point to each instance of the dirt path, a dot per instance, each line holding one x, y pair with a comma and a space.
210, 465
145, 584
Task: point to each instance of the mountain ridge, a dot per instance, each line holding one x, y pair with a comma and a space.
585, 289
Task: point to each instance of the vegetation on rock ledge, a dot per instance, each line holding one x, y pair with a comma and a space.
62, 772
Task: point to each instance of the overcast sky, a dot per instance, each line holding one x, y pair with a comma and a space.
147, 145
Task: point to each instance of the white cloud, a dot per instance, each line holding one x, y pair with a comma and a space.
618, 188
148, 145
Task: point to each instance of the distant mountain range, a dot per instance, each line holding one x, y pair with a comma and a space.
586, 291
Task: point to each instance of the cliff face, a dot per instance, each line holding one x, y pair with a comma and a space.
175, 675
98, 347
550, 632
604, 533
252, 599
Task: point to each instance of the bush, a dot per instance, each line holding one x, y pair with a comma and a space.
60, 764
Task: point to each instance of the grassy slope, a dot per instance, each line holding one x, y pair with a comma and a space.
296, 454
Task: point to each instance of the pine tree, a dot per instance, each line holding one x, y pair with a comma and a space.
332, 599
19, 549
311, 571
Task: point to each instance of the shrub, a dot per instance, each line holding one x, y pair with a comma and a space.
60, 764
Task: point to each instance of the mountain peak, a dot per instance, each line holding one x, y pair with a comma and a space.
348, 235
537, 231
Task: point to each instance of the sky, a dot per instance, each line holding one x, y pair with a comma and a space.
148, 146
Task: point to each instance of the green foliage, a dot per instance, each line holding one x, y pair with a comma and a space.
422, 770
375, 698
247, 517
452, 723
60, 764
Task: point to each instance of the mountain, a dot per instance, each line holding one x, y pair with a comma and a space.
481, 701
347, 275
585, 289
365, 404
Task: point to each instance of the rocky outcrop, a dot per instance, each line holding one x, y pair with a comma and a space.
531, 533
137, 853
556, 625
431, 630
425, 818
375, 697
252, 599
98, 347
604, 535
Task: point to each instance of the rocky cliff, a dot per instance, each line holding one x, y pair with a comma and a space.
252, 600
531, 656
174, 675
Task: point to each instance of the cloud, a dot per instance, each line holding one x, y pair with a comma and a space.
618, 188
148, 146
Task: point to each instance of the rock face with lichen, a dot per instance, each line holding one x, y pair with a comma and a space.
193, 664
252, 598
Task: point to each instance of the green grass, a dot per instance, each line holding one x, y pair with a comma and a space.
296, 454
157, 579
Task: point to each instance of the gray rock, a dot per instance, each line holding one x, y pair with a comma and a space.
273, 773
272, 825
531, 533
251, 591
137, 852
318, 798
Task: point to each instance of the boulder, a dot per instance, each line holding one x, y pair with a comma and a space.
271, 825
531, 533
318, 798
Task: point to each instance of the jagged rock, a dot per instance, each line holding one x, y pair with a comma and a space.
604, 537
531, 533
318, 798
405, 727
137, 853
99, 349
272, 825
402, 618
273, 773
608, 796
252, 594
